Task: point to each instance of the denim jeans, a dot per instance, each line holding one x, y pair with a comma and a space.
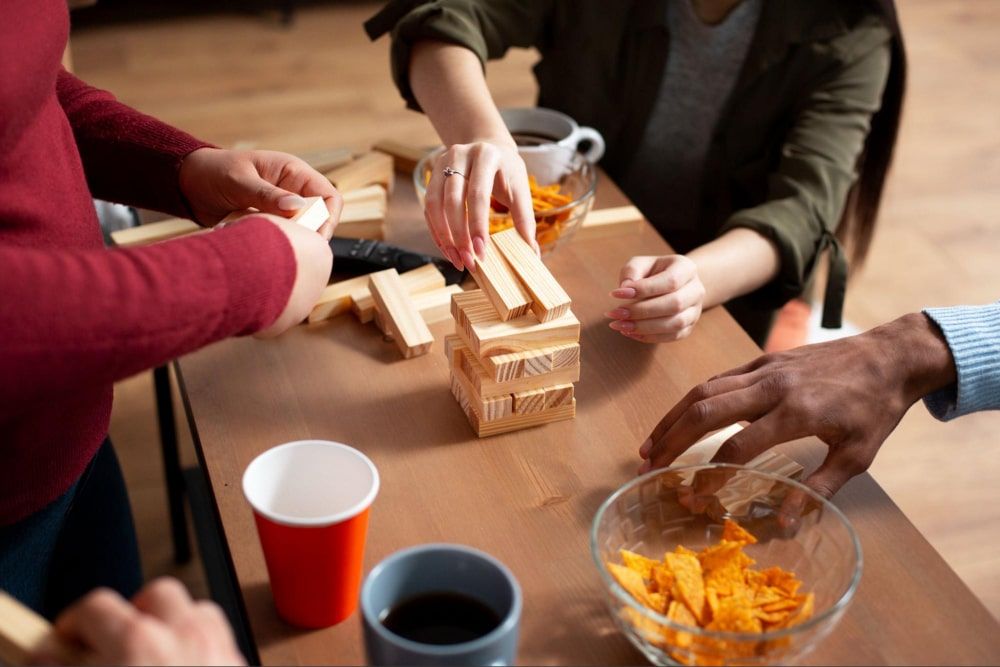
82, 540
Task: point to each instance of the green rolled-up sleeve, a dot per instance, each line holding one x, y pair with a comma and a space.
808, 190
486, 27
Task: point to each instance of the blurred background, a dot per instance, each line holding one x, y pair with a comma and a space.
302, 76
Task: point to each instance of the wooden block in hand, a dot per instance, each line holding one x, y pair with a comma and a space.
370, 168
487, 335
154, 232
313, 213
494, 275
607, 222
401, 316
549, 301
404, 156
421, 279
23, 633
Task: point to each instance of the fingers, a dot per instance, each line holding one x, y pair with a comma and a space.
166, 599
661, 306
521, 207
98, 620
841, 464
635, 269
435, 216
762, 434
481, 178
667, 277
454, 205
665, 327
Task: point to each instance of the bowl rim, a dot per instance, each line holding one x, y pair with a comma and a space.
419, 186
627, 598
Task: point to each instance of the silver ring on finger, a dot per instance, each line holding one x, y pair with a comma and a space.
449, 171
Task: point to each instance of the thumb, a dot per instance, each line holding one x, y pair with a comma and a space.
636, 268
255, 192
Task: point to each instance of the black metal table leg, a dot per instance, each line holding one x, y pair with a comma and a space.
171, 465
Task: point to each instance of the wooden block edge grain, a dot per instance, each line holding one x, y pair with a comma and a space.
401, 317
549, 301
500, 284
513, 365
514, 422
491, 336
484, 384
606, 222
421, 279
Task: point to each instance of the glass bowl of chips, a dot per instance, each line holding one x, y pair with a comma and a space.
562, 184
718, 564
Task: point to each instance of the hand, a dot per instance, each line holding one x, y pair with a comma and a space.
457, 208
666, 298
217, 182
850, 393
162, 626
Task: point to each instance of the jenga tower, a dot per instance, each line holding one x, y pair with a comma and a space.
516, 351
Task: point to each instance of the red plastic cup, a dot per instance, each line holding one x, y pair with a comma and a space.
310, 500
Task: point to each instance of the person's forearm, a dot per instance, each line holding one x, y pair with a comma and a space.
737, 263
448, 82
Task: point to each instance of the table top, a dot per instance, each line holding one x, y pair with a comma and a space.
529, 497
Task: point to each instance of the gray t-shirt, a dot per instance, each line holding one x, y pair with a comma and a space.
703, 63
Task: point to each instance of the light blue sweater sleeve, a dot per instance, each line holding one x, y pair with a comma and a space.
973, 334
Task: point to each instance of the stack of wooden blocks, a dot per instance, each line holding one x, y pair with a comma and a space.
516, 351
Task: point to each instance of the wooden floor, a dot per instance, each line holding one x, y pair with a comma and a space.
237, 78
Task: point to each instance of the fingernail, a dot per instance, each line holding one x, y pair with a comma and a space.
623, 325
469, 260
618, 314
645, 447
479, 245
624, 293
291, 203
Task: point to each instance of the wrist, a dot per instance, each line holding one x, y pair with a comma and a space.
917, 355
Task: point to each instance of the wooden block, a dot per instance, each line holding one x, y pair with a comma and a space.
514, 422
494, 275
370, 195
362, 221
401, 317
420, 279
313, 213
486, 335
484, 385
505, 367
326, 160
549, 301
490, 409
404, 156
433, 306
611, 222
336, 299
370, 168
526, 402
154, 232
560, 394
23, 633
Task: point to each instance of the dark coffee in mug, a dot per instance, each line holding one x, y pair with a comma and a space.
441, 618
533, 138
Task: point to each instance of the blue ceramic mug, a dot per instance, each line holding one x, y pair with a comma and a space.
437, 571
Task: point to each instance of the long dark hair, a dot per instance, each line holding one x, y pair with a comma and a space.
858, 224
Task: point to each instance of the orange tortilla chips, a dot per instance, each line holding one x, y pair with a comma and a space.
544, 198
715, 589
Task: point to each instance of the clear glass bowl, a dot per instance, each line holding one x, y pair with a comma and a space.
653, 514
549, 164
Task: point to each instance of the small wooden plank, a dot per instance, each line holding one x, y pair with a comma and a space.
610, 222
369, 195
560, 394
154, 232
404, 156
514, 422
504, 367
336, 299
313, 213
484, 385
434, 306
371, 168
23, 633
401, 317
362, 221
486, 334
497, 280
326, 160
421, 279
549, 301
531, 400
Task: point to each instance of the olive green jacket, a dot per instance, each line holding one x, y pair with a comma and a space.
783, 156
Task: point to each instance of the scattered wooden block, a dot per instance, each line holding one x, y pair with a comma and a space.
514, 422
433, 306
401, 317
422, 279
154, 232
611, 222
549, 301
369, 195
505, 367
404, 156
326, 160
494, 275
370, 168
23, 633
362, 221
464, 361
336, 299
486, 335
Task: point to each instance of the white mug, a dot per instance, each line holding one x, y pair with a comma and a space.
536, 126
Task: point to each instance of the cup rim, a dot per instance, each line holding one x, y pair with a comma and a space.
625, 597
506, 625
326, 520
545, 110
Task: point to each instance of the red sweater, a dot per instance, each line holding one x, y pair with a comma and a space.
75, 317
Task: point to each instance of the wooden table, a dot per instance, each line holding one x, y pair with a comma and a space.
529, 497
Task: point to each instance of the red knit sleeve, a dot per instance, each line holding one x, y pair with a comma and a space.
72, 319
129, 157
